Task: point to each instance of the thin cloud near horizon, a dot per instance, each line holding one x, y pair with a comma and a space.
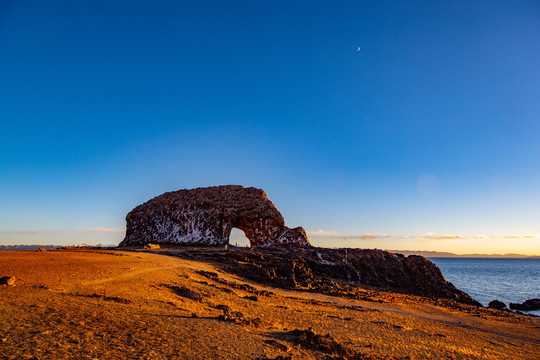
84, 230
428, 238
334, 234
30, 232
419, 238
103, 230
520, 236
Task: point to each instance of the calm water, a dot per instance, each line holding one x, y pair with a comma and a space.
507, 280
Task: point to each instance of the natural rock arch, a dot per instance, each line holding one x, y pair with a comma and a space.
205, 216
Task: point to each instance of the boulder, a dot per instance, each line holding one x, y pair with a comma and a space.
152, 246
206, 216
496, 304
7, 280
186, 292
527, 305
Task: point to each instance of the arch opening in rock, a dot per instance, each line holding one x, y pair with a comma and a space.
239, 238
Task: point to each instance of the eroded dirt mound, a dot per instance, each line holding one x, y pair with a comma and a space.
206, 216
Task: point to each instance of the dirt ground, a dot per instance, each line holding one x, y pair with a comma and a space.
90, 304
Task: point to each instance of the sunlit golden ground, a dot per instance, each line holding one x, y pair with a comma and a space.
131, 305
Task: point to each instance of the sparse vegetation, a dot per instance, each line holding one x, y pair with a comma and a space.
87, 304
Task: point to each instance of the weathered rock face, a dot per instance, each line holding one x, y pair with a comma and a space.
336, 271
206, 216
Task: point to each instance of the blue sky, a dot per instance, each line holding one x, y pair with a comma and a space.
425, 138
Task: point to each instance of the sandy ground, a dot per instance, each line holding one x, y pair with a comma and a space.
140, 305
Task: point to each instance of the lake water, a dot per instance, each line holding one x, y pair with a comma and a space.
487, 279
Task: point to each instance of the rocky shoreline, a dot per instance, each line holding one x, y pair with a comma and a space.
280, 256
342, 272
527, 305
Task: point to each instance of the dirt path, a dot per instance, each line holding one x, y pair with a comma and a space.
130, 275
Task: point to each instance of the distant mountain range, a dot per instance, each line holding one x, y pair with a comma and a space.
46, 247
429, 254
423, 253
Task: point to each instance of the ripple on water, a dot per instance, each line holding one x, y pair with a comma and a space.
487, 279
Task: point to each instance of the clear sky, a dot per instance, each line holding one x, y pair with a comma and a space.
388, 124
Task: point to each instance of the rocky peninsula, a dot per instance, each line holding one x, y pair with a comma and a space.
282, 256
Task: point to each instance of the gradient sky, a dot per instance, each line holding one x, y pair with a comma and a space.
428, 137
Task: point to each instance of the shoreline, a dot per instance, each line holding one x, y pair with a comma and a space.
424, 253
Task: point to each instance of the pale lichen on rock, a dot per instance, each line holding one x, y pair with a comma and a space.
206, 216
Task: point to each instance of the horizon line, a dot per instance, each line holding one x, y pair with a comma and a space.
410, 252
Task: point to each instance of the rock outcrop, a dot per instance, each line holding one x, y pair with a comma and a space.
152, 246
527, 305
206, 216
335, 271
496, 304
7, 280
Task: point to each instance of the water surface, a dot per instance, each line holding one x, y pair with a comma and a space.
487, 279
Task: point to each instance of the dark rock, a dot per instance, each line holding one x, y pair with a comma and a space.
280, 357
496, 304
431, 281
327, 344
208, 274
7, 280
236, 314
110, 298
206, 216
324, 343
185, 292
334, 271
223, 307
527, 305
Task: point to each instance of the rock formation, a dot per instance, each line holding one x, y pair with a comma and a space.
335, 271
7, 280
527, 305
206, 216
496, 304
